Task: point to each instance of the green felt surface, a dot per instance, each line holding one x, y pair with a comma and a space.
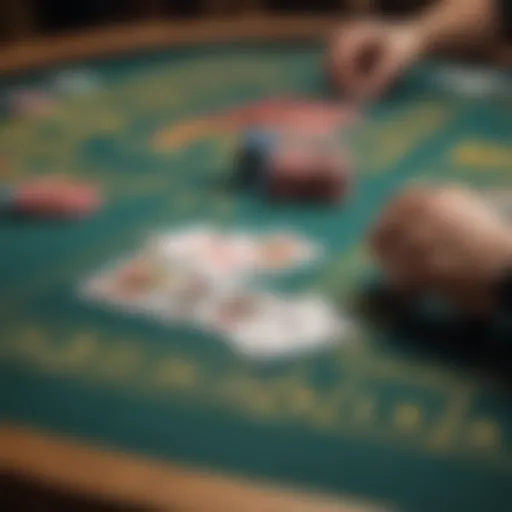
420, 423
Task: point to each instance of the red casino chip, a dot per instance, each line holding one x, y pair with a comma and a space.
56, 196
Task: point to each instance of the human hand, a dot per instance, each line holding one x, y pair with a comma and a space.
365, 57
443, 241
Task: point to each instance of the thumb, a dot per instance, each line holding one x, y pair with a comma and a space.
381, 77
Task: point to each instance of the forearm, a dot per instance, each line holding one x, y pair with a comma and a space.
454, 22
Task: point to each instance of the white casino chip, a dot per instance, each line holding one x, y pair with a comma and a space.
75, 82
472, 82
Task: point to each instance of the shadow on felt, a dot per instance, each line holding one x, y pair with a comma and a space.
427, 328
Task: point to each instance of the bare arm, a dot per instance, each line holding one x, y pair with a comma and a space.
454, 22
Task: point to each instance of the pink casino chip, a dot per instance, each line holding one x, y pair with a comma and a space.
56, 196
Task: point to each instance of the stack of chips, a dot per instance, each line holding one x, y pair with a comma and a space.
292, 165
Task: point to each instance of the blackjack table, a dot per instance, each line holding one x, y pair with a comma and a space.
413, 415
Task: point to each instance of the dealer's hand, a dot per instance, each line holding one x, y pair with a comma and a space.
364, 58
446, 241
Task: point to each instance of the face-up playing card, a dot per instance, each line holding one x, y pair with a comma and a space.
185, 245
284, 250
228, 310
137, 287
264, 334
316, 321
128, 280
200, 276
229, 256
219, 255
283, 327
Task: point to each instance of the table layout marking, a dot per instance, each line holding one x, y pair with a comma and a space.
354, 414
459, 404
393, 138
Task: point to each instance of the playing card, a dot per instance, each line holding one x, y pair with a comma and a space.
185, 245
137, 286
201, 276
227, 310
288, 327
284, 250
216, 254
317, 322
265, 334
126, 285
263, 340
230, 256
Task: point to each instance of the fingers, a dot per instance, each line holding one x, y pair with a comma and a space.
352, 58
353, 53
402, 239
363, 61
380, 78
444, 241
365, 58
408, 208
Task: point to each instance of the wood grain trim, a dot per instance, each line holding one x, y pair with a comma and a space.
115, 476
112, 40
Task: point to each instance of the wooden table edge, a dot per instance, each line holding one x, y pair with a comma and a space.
149, 35
110, 40
107, 474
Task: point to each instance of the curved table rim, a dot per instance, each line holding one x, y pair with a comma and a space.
145, 36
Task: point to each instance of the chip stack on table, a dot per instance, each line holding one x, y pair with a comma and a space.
291, 165
312, 169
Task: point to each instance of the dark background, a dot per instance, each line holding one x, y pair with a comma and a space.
54, 16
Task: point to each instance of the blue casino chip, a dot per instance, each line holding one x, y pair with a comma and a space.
6, 199
253, 156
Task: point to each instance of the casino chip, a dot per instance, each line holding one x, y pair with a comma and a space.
472, 82
302, 173
252, 157
75, 82
55, 196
